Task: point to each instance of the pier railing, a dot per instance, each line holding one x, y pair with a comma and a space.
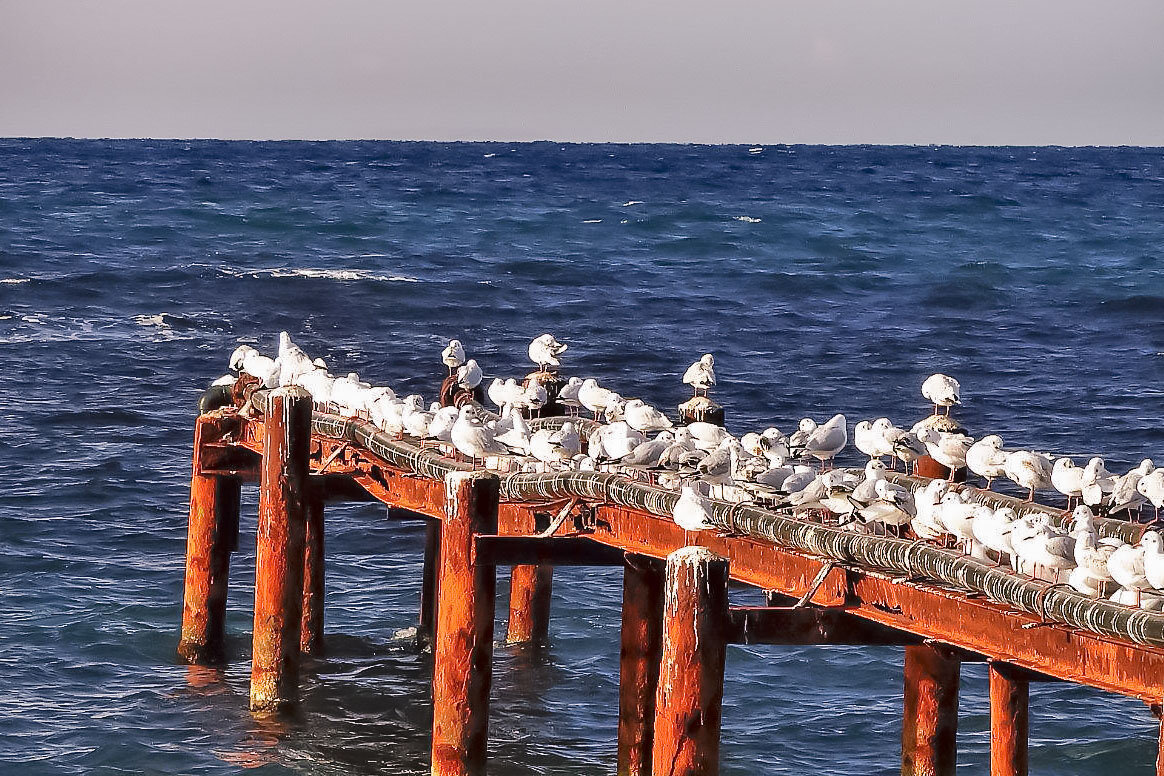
824, 586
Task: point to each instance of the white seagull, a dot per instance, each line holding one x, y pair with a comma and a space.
453, 355
544, 351
942, 390
701, 374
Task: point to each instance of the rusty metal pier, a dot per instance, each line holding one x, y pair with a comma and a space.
676, 618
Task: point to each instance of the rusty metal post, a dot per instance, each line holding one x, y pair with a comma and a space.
429, 580
638, 662
279, 555
311, 627
212, 534
690, 692
929, 727
463, 649
530, 590
1009, 721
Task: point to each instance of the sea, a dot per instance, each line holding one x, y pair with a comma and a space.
823, 279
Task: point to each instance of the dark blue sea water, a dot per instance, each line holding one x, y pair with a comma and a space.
823, 279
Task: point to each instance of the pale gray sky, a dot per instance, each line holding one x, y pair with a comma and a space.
795, 71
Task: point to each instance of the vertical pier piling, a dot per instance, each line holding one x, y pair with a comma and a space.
212, 535
690, 692
638, 663
429, 577
279, 552
929, 727
1009, 721
311, 624
530, 590
463, 648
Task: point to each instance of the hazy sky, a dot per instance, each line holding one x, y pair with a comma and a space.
800, 71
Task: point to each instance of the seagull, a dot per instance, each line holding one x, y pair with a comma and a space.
707, 436
1092, 556
1042, 546
948, 449
247, 359
594, 397
318, 383
513, 432
1067, 478
1029, 470
469, 375
925, 524
692, 511
293, 360
1153, 559
828, 440
907, 448
648, 453
441, 427
472, 438
1126, 565
546, 446
893, 506
503, 393
993, 531
942, 390
1124, 494
956, 517
701, 374
987, 459
1151, 487
672, 456
1096, 483
544, 351
643, 417
453, 355
568, 395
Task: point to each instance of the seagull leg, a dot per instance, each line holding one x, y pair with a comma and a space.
1031, 497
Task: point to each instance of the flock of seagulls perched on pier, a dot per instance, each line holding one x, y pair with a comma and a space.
792, 473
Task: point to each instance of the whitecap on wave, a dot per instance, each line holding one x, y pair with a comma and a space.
632, 202
15, 281
318, 274
746, 219
593, 221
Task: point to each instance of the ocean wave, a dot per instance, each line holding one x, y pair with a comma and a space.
632, 202
345, 275
593, 221
15, 281
746, 219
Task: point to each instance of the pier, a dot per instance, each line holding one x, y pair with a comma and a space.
822, 586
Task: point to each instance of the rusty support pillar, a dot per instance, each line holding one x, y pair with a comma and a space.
279, 555
212, 534
311, 628
1009, 721
463, 648
929, 727
690, 692
530, 589
429, 579
638, 662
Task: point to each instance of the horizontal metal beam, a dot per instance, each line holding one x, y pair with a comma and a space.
552, 550
810, 625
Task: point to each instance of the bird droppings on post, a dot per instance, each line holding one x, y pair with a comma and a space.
758, 501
